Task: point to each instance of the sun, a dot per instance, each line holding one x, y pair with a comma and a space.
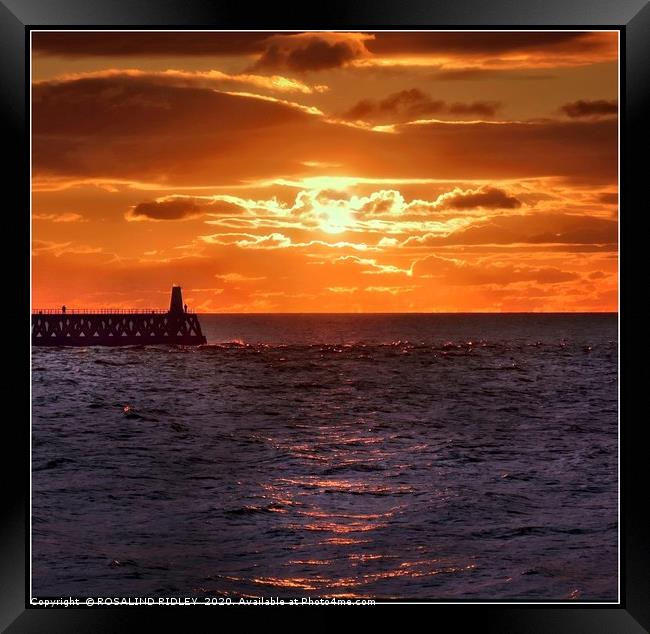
334, 218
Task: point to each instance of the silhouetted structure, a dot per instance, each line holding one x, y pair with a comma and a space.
117, 327
176, 303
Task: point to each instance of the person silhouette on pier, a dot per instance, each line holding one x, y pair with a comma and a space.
63, 309
185, 307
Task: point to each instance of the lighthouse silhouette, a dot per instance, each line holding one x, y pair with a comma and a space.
176, 303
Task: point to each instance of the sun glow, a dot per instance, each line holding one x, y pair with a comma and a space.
327, 172
333, 218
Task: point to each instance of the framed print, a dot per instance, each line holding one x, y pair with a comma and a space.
327, 312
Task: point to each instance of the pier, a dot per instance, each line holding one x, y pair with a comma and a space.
117, 327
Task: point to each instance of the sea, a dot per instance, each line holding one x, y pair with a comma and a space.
394, 457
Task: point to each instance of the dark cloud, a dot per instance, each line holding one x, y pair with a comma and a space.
584, 151
80, 44
477, 74
166, 210
405, 105
608, 198
530, 229
383, 202
475, 108
485, 197
317, 48
121, 106
310, 52
598, 108
486, 43
460, 273
412, 104
131, 128
183, 207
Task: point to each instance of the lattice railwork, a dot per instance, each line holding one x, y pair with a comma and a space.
115, 329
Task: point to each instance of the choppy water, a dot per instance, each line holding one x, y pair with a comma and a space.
439, 457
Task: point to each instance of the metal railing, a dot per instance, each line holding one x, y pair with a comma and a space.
102, 311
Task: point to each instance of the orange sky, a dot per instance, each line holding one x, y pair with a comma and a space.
311, 172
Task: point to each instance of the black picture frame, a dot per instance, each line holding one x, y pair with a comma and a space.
632, 17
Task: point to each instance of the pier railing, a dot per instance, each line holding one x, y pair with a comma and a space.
115, 328
102, 311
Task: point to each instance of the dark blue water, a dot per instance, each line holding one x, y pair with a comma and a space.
438, 457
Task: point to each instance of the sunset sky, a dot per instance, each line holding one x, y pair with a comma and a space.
326, 172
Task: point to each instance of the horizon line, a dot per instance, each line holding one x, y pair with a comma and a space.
415, 312
516, 312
